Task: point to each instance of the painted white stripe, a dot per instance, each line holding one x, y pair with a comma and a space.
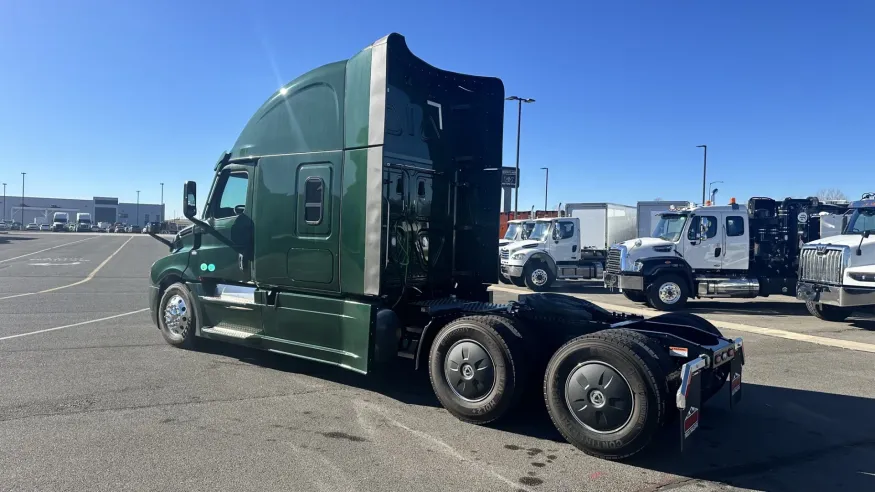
80, 282
759, 330
48, 249
73, 325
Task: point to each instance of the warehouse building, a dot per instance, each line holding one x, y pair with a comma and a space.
102, 209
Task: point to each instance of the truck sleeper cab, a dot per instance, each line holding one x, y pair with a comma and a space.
355, 223
717, 252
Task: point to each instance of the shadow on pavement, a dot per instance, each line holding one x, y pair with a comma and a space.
778, 439
8, 238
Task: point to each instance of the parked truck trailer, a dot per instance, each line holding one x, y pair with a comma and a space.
357, 241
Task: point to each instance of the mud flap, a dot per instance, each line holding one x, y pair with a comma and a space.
689, 398
735, 376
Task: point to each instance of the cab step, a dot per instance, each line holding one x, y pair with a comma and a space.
228, 332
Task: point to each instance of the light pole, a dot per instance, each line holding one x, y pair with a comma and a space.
4, 201
704, 170
516, 194
138, 206
22, 199
546, 185
709, 187
162, 202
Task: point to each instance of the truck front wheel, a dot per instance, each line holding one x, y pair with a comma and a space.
606, 393
477, 366
827, 312
538, 276
176, 316
668, 293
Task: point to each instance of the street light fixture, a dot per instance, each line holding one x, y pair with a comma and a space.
704, 170
546, 185
520, 101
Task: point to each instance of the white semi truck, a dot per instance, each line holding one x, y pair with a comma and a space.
59, 221
718, 252
572, 247
837, 273
517, 230
83, 222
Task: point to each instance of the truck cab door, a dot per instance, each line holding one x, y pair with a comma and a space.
703, 248
224, 254
564, 242
736, 255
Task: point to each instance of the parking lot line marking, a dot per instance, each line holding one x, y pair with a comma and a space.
759, 330
47, 249
73, 325
80, 282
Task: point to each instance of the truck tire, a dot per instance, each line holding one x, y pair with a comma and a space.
827, 312
612, 370
176, 317
538, 276
668, 293
635, 295
502, 279
518, 281
478, 367
712, 380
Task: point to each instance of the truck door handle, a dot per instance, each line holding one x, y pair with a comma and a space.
717, 252
240, 261
574, 248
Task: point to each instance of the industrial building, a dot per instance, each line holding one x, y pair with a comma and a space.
102, 209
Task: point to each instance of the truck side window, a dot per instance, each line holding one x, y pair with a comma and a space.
702, 224
734, 226
563, 230
314, 191
233, 195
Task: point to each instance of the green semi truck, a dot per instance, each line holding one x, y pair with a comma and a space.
355, 223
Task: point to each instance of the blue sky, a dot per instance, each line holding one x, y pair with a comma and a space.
107, 97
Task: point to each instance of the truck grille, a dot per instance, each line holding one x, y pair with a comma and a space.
825, 266
615, 260
505, 253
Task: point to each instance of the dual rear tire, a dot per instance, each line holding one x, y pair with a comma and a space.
827, 312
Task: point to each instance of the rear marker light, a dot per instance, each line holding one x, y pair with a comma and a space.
678, 351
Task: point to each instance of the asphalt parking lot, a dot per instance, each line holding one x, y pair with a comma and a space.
93, 399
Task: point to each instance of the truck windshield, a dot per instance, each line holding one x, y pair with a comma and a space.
520, 231
670, 227
60, 219
512, 230
861, 221
540, 231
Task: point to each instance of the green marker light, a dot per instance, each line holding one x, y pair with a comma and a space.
212, 267
203, 267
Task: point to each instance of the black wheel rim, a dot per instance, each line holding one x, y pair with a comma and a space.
599, 397
469, 370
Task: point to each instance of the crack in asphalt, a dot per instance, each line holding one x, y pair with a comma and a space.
159, 405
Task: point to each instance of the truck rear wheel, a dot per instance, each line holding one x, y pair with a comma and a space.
176, 316
478, 367
635, 295
827, 312
668, 293
538, 276
606, 393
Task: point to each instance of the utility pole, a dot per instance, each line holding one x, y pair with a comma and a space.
162, 202
546, 185
704, 170
138, 206
516, 196
22, 199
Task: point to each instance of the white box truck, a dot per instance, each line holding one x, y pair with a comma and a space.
603, 224
648, 214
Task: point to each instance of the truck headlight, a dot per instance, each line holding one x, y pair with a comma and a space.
637, 266
862, 277
517, 256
